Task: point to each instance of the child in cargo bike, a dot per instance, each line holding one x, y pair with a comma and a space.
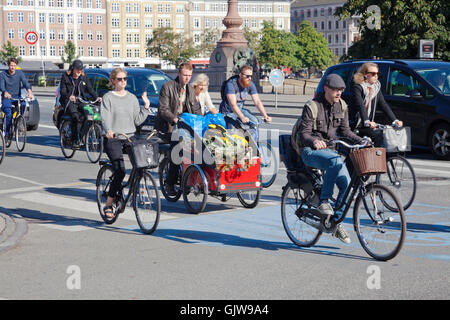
319, 122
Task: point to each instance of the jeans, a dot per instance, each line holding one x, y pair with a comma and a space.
7, 109
335, 171
233, 121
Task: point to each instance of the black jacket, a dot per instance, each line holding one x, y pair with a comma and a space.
67, 88
169, 99
357, 110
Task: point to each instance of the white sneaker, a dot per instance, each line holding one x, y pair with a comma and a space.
326, 209
341, 234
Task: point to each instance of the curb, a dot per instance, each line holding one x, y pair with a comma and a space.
12, 230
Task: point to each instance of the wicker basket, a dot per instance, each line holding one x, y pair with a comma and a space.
369, 161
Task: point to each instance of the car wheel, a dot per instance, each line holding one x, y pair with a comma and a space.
439, 141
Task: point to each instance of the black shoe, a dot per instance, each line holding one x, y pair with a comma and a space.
170, 189
76, 145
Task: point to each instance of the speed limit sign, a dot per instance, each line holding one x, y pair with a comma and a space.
31, 37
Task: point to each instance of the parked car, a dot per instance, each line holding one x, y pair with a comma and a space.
418, 92
139, 79
32, 113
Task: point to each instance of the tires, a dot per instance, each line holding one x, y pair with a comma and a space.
439, 141
381, 231
269, 164
163, 173
295, 220
2, 147
146, 203
104, 178
249, 199
400, 177
65, 139
94, 143
195, 189
21, 133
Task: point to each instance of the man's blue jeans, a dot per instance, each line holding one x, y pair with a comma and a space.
335, 171
250, 127
7, 109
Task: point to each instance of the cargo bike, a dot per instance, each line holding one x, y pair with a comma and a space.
214, 163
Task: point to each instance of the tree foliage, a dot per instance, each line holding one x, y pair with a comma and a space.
9, 51
403, 24
69, 52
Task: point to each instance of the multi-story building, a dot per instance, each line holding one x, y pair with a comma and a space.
55, 22
116, 31
340, 35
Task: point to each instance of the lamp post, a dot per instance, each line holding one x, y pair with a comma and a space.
232, 36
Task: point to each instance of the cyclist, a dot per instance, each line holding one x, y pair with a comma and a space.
121, 113
236, 90
177, 96
75, 83
366, 97
11, 82
310, 137
202, 96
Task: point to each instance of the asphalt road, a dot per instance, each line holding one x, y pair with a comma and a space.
227, 252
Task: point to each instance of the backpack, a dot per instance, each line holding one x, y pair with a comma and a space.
224, 84
313, 106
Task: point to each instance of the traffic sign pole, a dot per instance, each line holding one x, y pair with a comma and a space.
276, 78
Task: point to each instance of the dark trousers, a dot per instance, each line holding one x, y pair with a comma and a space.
114, 149
174, 169
76, 112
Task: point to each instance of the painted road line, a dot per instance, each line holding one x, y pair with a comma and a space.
21, 179
47, 126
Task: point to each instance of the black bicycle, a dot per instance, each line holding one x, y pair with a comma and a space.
142, 191
2, 147
381, 230
18, 129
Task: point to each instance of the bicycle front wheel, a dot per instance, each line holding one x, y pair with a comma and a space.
146, 203
163, 172
21, 133
269, 164
2, 147
249, 199
298, 226
381, 231
94, 143
195, 191
65, 139
103, 183
400, 177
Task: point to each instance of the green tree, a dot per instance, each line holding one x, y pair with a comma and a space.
9, 51
403, 24
170, 46
208, 42
254, 40
69, 51
313, 51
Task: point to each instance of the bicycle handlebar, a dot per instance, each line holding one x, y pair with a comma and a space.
350, 146
87, 101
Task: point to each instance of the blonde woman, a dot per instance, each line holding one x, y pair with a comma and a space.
366, 98
202, 96
121, 113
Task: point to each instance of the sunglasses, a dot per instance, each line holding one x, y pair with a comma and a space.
247, 76
373, 74
122, 79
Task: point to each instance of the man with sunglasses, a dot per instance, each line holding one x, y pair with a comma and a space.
75, 83
366, 98
236, 91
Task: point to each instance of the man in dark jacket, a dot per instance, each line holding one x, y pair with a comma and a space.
176, 97
75, 83
11, 82
312, 135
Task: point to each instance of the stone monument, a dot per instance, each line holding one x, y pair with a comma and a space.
232, 51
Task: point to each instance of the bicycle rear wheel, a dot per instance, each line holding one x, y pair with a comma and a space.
94, 143
103, 182
146, 203
163, 172
249, 199
65, 139
195, 191
2, 147
21, 133
269, 164
297, 225
400, 177
381, 231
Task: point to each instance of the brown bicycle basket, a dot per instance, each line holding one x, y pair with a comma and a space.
369, 161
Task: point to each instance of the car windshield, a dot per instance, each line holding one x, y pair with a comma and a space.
438, 77
152, 83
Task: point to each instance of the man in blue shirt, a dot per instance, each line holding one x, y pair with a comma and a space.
236, 91
11, 82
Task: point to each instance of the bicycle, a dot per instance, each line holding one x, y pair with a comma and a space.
2, 146
269, 163
380, 230
142, 192
18, 129
91, 132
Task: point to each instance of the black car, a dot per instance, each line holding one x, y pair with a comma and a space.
418, 92
139, 79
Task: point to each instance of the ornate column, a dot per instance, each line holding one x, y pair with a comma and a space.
232, 36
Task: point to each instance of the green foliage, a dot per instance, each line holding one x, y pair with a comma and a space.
254, 40
9, 51
403, 24
69, 51
208, 43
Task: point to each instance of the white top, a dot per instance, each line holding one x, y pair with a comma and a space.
205, 102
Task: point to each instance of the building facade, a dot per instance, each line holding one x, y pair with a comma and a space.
340, 35
115, 32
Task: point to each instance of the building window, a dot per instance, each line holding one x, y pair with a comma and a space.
115, 7
90, 51
52, 51
98, 4
115, 22
196, 22
99, 36
10, 33
70, 35
148, 8
81, 51
60, 18
10, 17
21, 33
30, 17
20, 17
99, 19
32, 50
89, 19
100, 51
51, 35
21, 50
116, 38
116, 53
90, 35
61, 50
43, 50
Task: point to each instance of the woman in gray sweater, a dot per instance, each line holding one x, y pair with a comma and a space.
121, 113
